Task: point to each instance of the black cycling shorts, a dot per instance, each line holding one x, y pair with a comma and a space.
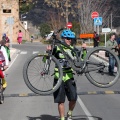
68, 89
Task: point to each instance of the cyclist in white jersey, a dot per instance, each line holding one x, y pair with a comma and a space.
4, 62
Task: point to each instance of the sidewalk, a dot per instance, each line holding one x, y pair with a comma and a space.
101, 55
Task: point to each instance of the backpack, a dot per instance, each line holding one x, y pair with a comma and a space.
97, 37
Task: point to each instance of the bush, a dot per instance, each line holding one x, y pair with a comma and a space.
102, 39
23, 41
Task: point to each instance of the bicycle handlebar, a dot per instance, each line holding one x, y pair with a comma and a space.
55, 33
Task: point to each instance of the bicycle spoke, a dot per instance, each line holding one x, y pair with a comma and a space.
38, 77
98, 69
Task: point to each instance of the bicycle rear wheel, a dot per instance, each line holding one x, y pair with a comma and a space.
36, 76
98, 68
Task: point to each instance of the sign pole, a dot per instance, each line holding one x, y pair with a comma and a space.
10, 22
11, 32
105, 39
94, 27
98, 29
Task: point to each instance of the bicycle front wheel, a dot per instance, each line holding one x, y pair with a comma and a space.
38, 74
100, 70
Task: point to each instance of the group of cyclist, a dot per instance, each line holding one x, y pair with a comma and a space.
68, 87
4, 58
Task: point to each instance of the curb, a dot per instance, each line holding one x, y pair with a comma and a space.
79, 93
101, 57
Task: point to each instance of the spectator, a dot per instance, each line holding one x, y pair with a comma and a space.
32, 38
20, 35
112, 44
5, 37
96, 39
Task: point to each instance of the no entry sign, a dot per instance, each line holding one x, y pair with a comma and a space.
94, 15
69, 25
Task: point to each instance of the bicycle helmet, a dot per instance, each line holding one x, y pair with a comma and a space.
67, 34
4, 34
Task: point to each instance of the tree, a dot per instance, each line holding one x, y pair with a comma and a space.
66, 7
82, 10
103, 7
25, 5
44, 29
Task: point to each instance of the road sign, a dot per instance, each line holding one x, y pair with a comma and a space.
94, 15
69, 25
98, 21
105, 30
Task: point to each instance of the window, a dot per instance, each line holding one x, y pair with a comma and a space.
6, 10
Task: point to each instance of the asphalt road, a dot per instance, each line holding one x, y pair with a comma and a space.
90, 106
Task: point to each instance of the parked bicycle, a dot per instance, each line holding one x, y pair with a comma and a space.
1, 92
38, 70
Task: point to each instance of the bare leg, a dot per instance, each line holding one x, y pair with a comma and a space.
71, 105
61, 109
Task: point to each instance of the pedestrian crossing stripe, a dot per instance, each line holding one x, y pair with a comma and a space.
25, 52
34, 52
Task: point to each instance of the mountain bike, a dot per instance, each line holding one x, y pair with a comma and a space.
39, 69
1, 92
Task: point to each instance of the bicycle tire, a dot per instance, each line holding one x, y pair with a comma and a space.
37, 60
96, 77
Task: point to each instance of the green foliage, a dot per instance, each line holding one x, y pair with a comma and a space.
102, 38
44, 29
25, 8
23, 41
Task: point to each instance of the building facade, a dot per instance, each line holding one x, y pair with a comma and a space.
9, 20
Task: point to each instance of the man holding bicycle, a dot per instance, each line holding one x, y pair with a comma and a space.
68, 86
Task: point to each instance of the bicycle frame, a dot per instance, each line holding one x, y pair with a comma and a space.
77, 64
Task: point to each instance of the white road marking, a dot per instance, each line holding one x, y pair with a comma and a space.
34, 52
12, 62
23, 52
88, 114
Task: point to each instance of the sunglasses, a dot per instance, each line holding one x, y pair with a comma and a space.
69, 38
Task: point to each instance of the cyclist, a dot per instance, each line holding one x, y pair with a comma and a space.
6, 45
68, 86
32, 37
3, 62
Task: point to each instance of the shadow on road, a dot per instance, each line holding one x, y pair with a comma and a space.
49, 117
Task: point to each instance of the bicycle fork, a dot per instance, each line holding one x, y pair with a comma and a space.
46, 67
